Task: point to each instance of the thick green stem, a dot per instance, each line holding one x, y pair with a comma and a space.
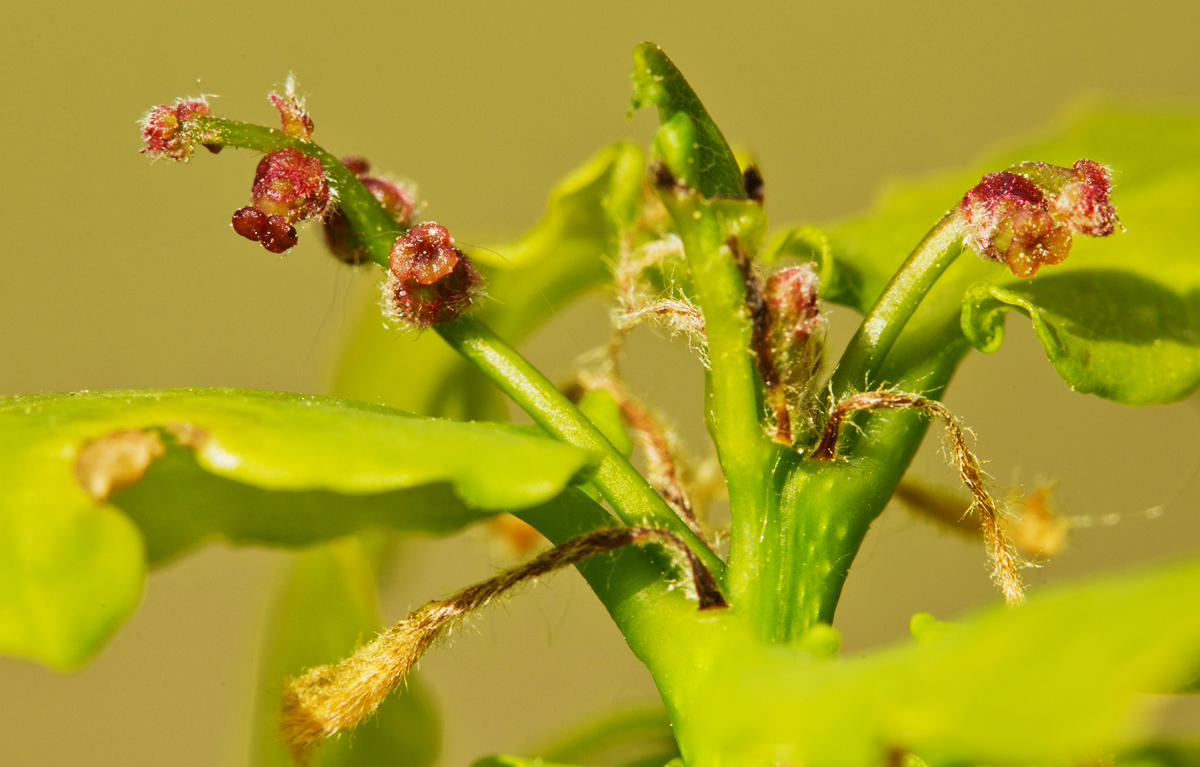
859, 366
828, 506
630, 495
709, 230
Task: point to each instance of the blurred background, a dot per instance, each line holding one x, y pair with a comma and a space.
120, 273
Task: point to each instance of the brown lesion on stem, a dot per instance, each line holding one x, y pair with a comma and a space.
1005, 564
761, 346
329, 699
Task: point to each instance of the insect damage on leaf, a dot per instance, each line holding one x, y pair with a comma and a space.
116, 461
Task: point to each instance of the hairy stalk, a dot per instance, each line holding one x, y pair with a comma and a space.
330, 699
1035, 527
859, 367
1005, 565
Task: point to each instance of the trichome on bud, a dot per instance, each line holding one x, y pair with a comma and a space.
1025, 216
429, 280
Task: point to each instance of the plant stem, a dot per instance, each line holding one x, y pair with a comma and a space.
858, 369
629, 494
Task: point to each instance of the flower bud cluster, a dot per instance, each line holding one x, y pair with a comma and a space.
170, 130
289, 186
398, 200
1025, 216
429, 280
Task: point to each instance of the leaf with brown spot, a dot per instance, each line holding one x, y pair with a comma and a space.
94, 486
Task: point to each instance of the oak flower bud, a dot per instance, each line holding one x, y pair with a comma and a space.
796, 324
1025, 216
289, 186
294, 120
429, 280
170, 130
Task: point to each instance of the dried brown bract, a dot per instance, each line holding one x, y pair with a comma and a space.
329, 699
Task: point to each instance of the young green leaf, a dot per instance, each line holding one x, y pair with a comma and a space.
74, 564
326, 607
1119, 318
688, 139
618, 737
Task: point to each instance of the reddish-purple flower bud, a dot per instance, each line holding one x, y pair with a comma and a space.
291, 184
1025, 216
278, 234
791, 296
169, 130
356, 165
429, 280
292, 116
396, 199
249, 222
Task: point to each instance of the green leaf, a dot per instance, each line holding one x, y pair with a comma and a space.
1120, 318
563, 256
325, 608
263, 467
602, 409
688, 139
1050, 682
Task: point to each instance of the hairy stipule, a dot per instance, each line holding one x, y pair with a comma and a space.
1005, 565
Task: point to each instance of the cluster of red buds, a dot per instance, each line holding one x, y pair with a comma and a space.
397, 199
1025, 216
289, 186
429, 280
170, 130
795, 315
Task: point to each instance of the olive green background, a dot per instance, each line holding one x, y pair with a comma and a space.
119, 272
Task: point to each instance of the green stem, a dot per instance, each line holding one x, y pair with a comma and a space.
828, 506
859, 366
734, 405
627, 491
630, 495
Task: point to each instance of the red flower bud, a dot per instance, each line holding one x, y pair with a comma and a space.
797, 336
791, 296
170, 130
295, 121
1025, 216
429, 280
291, 184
